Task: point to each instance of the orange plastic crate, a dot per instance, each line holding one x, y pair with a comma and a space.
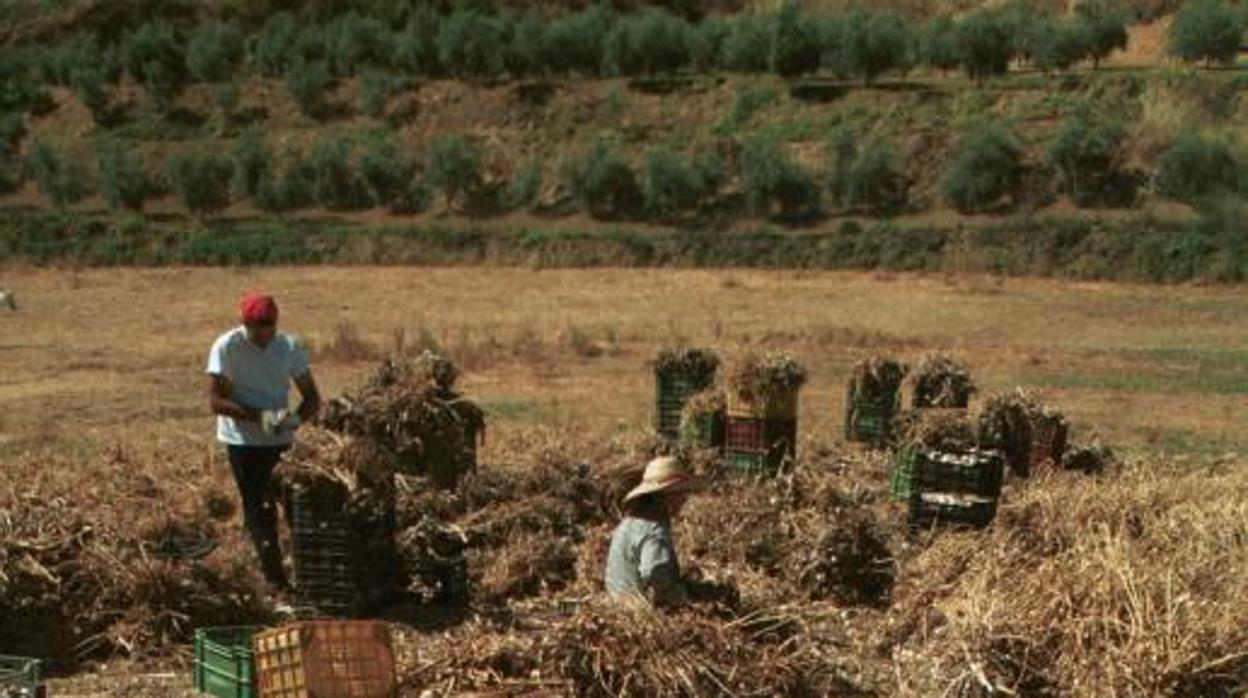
326, 659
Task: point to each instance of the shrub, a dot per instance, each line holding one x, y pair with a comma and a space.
650, 42
388, 175
986, 44
375, 89
226, 95
275, 47
354, 41
709, 174
469, 45
1103, 25
202, 181
706, 44
938, 43
292, 190
307, 83
215, 52
668, 185
796, 47
12, 131
123, 178
866, 178
416, 47
526, 44
1087, 155
604, 184
153, 57
574, 42
61, 180
253, 164
527, 185
873, 43
749, 101
335, 183
1194, 167
1206, 30
1057, 44
747, 46
986, 165
775, 185
453, 165
91, 88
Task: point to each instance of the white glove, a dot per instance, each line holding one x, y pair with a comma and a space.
274, 422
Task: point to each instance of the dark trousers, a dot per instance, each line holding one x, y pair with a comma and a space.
253, 471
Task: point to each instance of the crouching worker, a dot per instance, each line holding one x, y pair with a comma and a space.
250, 369
642, 560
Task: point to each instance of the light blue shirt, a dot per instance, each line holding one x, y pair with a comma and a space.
642, 561
261, 380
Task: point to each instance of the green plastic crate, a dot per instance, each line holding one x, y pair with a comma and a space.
225, 661
901, 484
672, 390
19, 677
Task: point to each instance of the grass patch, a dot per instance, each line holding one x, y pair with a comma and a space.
516, 409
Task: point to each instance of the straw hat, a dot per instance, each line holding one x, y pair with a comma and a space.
665, 474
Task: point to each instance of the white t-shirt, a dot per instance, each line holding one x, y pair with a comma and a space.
261, 379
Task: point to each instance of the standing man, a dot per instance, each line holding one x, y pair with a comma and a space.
250, 369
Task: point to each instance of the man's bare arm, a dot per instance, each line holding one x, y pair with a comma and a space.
221, 400
311, 405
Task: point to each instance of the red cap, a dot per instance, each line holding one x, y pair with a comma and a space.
257, 307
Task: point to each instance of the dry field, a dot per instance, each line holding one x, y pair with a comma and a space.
1129, 584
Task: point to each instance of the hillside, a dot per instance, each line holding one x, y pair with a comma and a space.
592, 119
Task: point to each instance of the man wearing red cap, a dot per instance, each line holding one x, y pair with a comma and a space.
250, 369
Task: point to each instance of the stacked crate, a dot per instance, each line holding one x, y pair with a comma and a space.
326, 659
673, 388
325, 575
945, 488
761, 436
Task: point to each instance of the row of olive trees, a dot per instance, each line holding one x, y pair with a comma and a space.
986, 169
862, 44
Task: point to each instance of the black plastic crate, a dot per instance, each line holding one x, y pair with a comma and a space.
972, 472
930, 509
19, 677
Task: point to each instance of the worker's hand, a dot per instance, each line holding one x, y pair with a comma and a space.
279, 421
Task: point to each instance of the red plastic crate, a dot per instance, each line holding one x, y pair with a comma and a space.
1048, 444
751, 435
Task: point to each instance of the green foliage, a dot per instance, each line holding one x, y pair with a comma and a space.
1057, 44
253, 164
215, 51
986, 44
774, 185
1194, 167
709, 174
276, 45
1087, 154
796, 47
873, 43
291, 190
453, 165
375, 89
866, 178
153, 57
706, 44
1206, 30
668, 185
12, 131
62, 180
527, 185
469, 45
938, 43
354, 42
226, 95
307, 83
335, 183
749, 101
987, 165
604, 184
747, 46
202, 181
416, 46
526, 45
1103, 25
389, 176
123, 178
647, 43
574, 42
90, 86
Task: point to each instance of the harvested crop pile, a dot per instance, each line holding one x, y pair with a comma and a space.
1089, 459
1005, 424
940, 381
877, 380
80, 573
760, 379
941, 430
698, 365
409, 410
702, 419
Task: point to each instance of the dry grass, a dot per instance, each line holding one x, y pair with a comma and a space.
1127, 584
